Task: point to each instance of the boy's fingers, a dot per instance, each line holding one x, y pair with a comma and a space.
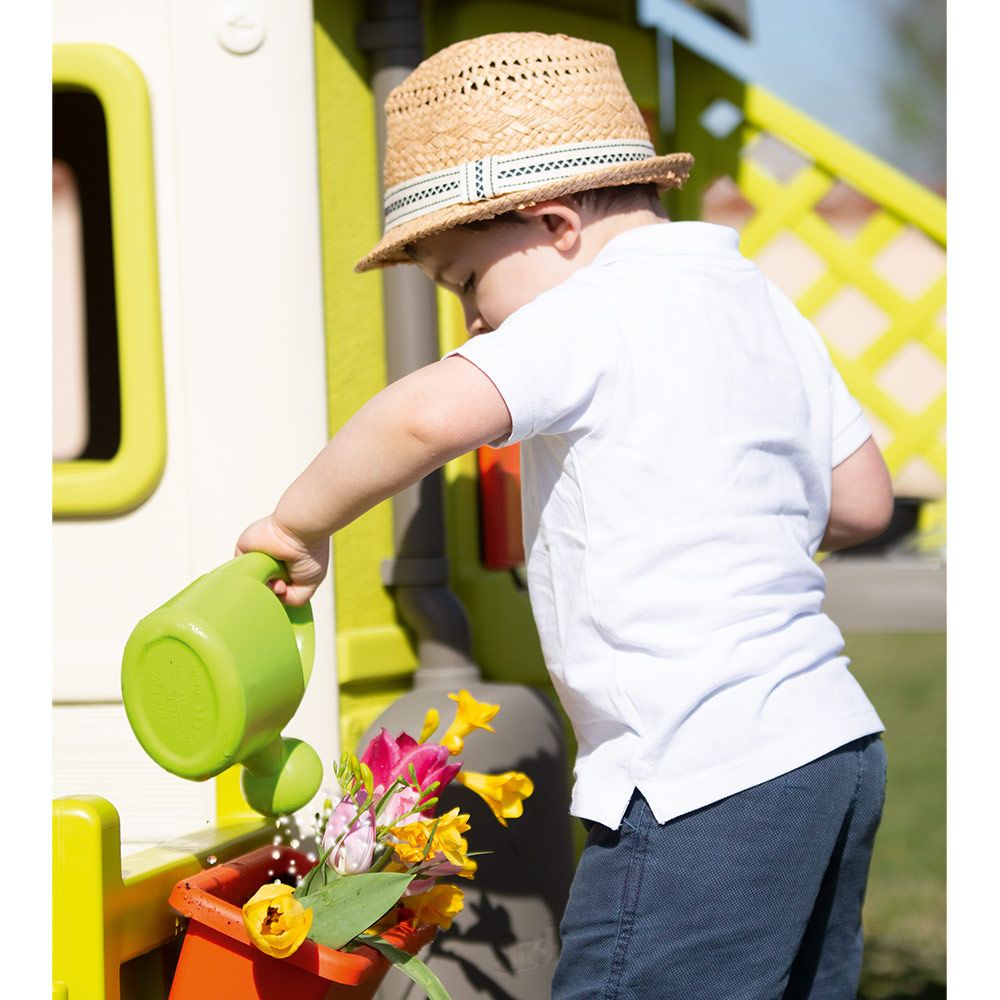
302, 564
296, 596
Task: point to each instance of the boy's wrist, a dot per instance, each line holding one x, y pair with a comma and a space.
284, 525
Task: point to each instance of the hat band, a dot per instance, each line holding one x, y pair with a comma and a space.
479, 180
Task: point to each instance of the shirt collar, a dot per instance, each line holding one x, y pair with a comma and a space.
670, 237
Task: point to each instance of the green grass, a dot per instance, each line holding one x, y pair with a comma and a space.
904, 917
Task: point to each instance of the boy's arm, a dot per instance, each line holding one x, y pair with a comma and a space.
399, 436
861, 501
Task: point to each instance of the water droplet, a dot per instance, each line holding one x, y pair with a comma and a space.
275, 855
294, 843
212, 859
312, 857
276, 840
270, 873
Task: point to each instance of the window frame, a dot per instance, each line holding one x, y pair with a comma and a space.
91, 487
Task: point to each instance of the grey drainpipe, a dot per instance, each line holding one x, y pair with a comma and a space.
393, 38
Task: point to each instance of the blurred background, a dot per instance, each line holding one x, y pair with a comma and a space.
873, 71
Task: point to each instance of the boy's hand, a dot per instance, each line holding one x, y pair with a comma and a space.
306, 561
410, 428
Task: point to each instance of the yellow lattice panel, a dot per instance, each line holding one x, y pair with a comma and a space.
857, 245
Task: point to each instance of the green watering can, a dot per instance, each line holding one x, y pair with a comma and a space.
210, 678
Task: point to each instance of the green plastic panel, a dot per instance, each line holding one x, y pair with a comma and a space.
372, 647
107, 912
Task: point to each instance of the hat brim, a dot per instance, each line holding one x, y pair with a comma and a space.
664, 171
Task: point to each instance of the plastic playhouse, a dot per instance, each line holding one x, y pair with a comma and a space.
215, 177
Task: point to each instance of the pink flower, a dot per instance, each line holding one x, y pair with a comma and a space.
402, 802
355, 851
391, 758
443, 869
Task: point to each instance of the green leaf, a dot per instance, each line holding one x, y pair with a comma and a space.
411, 965
352, 903
305, 886
321, 873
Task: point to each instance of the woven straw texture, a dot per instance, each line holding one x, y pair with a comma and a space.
508, 93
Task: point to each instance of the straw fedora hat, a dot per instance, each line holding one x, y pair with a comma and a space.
503, 121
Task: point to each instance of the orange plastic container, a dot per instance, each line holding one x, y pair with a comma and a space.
217, 959
500, 507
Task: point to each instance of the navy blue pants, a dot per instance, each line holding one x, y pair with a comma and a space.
755, 897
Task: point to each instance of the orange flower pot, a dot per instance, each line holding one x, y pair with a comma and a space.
217, 959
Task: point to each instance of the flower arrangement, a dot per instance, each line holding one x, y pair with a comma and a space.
385, 850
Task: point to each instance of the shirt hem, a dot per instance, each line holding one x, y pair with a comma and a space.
670, 800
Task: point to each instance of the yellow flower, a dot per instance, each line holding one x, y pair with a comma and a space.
503, 793
431, 720
276, 921
469, 715
438, 906
448, 845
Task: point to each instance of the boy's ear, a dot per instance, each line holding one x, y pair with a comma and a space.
561, 220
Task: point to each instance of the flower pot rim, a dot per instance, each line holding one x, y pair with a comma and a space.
201, 897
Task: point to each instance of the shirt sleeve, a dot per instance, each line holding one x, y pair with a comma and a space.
850, 425
554, 362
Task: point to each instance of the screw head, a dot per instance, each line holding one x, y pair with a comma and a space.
240, 27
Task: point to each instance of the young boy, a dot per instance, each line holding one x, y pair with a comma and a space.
687, 447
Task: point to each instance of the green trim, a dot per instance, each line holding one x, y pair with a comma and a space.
370, 654
372, 646
88, 487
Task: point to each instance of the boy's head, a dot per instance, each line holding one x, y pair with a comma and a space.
495, 266
507, 157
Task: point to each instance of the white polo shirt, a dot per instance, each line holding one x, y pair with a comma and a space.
679, 421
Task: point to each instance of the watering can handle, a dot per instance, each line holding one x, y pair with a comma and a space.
261, 566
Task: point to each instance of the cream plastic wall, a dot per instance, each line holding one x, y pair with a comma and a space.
233, 107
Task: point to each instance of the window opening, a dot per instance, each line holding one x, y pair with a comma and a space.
86, 392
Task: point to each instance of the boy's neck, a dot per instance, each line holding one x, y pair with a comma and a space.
598, 232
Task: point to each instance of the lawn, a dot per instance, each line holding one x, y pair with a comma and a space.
904, 675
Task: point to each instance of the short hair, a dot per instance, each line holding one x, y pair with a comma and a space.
604, 201
601, 200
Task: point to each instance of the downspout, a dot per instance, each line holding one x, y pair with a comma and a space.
393, 38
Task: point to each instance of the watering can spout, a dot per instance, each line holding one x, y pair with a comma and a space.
210, 678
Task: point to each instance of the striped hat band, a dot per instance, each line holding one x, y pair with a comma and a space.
479, 180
